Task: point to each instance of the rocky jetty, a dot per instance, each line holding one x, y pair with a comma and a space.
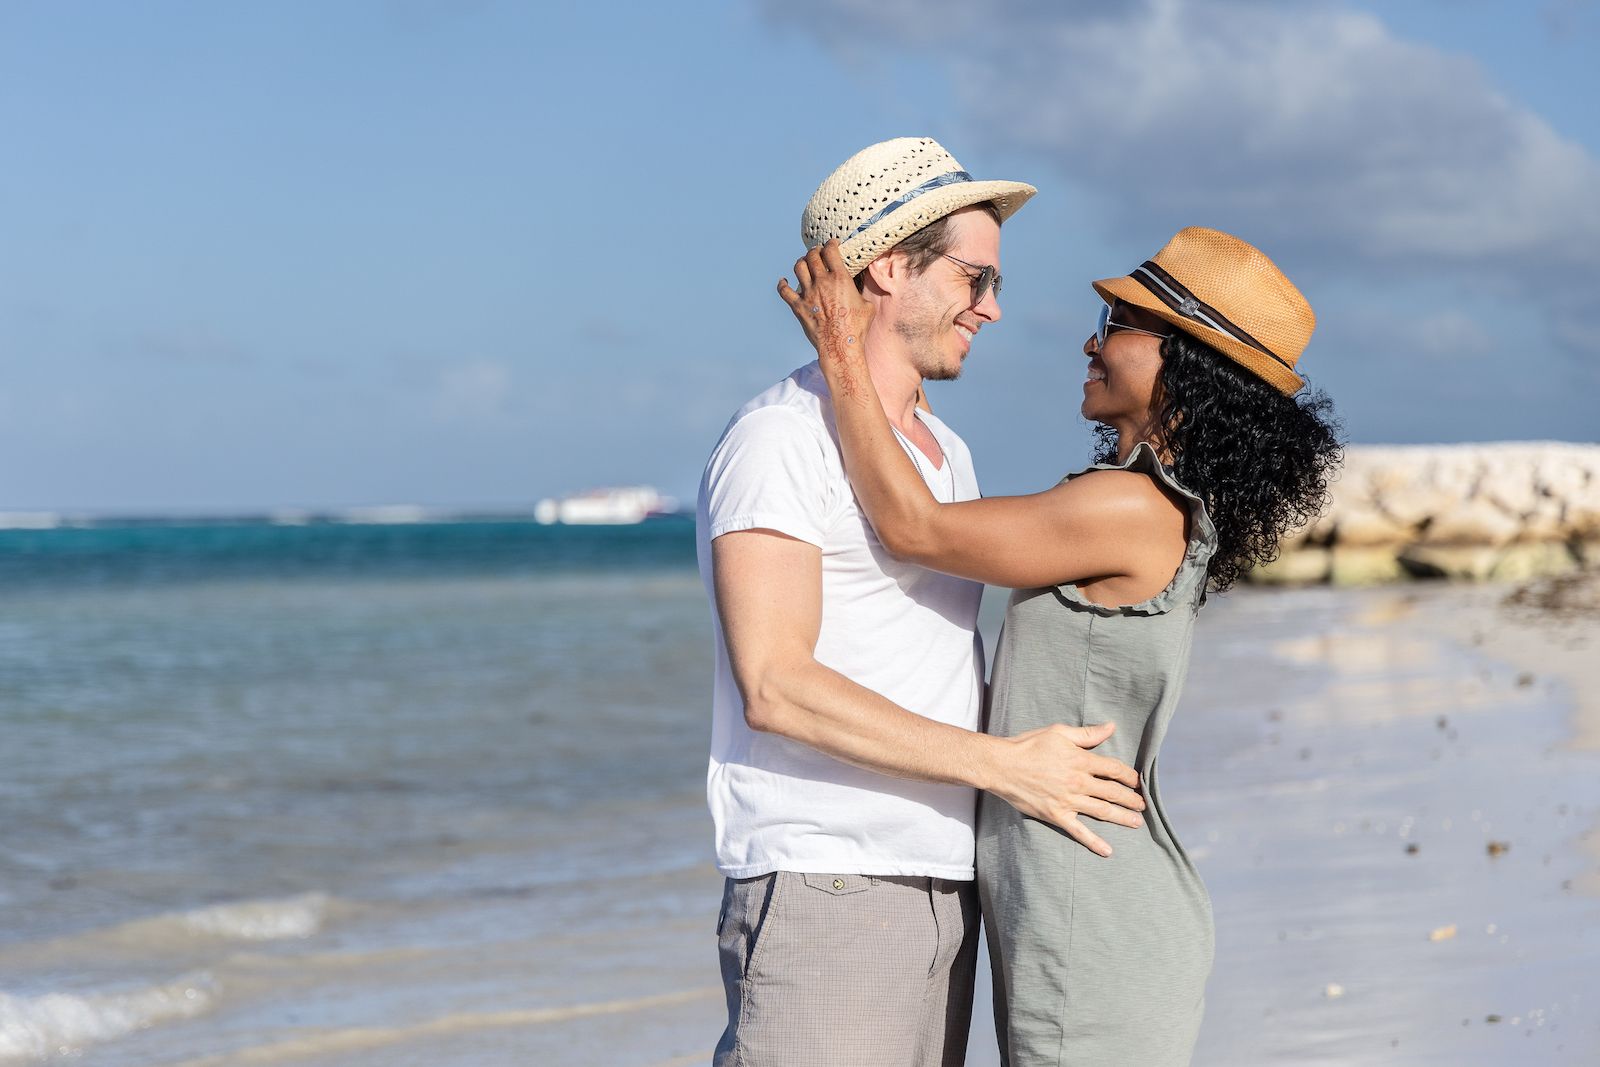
1498, 512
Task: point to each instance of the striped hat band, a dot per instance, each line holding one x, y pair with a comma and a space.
1176, 296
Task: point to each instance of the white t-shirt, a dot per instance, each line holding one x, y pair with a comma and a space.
901, 630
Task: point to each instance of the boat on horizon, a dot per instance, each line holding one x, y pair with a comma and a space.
616, 506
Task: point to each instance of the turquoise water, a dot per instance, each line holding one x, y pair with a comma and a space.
156, 552
230, 744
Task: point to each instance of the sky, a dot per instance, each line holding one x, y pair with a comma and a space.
470, 254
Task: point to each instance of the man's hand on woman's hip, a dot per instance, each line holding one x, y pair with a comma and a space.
1050, 774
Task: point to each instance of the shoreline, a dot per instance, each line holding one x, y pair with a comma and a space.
1324, 733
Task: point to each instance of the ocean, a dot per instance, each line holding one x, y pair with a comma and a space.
258, 778
432, 794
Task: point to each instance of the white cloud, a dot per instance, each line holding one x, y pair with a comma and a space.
1308, 128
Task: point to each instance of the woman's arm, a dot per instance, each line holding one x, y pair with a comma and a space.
1107, 524
1102, 525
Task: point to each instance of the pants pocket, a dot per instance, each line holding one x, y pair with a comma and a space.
756, 905
838, 885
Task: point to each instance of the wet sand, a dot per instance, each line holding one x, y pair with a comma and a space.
1392, 834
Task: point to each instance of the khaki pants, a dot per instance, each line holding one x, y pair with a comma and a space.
847, 970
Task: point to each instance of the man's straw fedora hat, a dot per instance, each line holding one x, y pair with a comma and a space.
886, 192
1227, 293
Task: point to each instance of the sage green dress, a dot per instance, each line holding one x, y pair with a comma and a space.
1097, 961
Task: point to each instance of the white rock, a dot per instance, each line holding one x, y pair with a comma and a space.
1361, 524
1518, 563
1588, 554
1581, 512
1415, 503
1364, 565
1472, 562
1302, 566
1472, 522
1558, 475
1508, 482
1535, 496
1546, 522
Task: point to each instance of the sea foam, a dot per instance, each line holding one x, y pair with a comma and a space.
259, 920
56, 1023
183, 938
263, 919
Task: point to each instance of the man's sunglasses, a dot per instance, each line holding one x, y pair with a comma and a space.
987, 275
1103, 329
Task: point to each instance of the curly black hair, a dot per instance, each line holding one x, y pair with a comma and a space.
1260, 460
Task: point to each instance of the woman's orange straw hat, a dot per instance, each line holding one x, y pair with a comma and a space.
1227, 293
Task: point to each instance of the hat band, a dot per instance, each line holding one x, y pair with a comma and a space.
1176, 296
955, 177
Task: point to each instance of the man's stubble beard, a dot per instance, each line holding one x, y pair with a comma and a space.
920, 327
936, 372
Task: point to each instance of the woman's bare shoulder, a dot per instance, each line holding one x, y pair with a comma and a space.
1128, 497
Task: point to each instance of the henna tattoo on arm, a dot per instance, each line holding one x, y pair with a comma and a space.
844, 367
842, 354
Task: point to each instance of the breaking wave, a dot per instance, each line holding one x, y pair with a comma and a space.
55, 1023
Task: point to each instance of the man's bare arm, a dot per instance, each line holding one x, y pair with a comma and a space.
769, 596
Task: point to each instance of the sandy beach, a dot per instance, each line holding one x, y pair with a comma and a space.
1393, 797
1408, 883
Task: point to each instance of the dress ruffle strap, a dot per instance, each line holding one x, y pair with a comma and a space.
1202, 543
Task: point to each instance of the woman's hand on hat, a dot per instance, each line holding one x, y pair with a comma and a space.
831, 311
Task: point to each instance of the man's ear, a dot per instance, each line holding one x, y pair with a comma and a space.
885, 274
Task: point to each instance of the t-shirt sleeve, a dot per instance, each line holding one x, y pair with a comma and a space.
769, 472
